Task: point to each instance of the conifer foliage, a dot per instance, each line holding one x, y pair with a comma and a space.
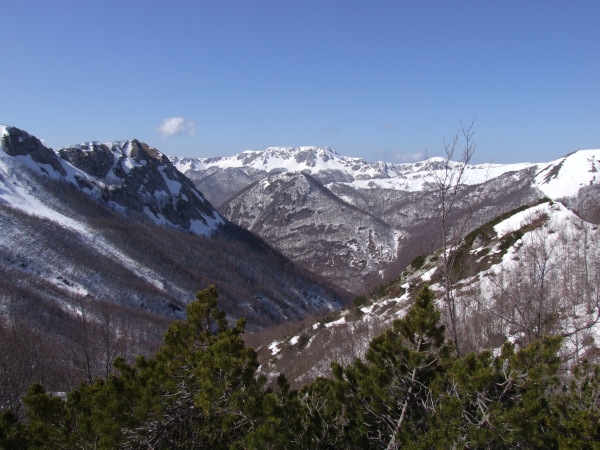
387, 395
201, 390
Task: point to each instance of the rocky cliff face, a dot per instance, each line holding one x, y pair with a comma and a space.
19, 143
135, 176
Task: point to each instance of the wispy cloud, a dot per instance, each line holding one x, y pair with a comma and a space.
389, 126
326, 133
408, 157
330, 131
387, 155
176, 126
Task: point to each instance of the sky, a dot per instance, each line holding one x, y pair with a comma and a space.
381, 80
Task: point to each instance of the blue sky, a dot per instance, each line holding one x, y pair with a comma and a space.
376, 79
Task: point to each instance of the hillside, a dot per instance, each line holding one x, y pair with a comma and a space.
118, 222
529, 273
298, 215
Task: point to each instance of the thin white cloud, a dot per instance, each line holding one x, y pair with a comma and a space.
326, 133
389, 126
176, 126
330, 131
408, 157
388, 155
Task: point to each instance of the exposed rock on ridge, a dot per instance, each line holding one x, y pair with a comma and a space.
128, 176
20, 143
140, 178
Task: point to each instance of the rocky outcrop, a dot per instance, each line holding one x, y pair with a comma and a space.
17, 142
140, 178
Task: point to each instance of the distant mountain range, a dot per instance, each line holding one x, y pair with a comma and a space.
360, 223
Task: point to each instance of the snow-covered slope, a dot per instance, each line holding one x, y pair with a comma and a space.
529, 273
567, 175
88, 221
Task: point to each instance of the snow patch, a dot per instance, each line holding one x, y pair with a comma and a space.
564, 177
336, 322
173, 185
274, 347
427, 275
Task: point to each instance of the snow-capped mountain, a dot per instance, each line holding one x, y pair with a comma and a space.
251, 190
125, 175
328, 166
119, 222
222, 177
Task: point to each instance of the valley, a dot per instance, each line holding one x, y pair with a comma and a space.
104, 245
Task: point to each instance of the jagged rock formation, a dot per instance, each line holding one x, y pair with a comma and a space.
142, 179
19, 143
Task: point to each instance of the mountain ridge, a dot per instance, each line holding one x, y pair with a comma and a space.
405, 204
83, 222
124, 174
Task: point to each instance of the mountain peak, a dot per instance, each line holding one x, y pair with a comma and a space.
126, 175
30, 151
304, 149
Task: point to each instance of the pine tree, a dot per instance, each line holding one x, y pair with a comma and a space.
11, 433
484, 401
200, 388
386, 396
576, 409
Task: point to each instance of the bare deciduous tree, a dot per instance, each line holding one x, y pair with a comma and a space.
26, 356
449, 185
